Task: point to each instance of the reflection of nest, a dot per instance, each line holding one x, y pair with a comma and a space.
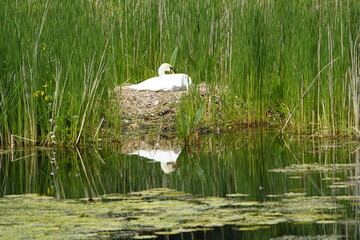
142, 110
134, 144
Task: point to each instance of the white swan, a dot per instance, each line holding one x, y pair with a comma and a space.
171, 82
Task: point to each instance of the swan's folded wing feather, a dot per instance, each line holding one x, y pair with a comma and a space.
170, 82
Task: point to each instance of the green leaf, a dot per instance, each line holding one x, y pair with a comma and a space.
173, 57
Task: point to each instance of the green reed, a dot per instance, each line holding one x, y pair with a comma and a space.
53, 73
59, 58
275, 55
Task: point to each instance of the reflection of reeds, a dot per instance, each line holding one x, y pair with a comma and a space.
20, 179
232, 163
87, 184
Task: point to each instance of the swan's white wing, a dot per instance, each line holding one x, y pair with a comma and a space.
170, 82
176, 82
152, 84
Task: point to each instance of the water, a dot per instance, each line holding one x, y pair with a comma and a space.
254, 163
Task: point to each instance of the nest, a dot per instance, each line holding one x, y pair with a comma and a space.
149, 110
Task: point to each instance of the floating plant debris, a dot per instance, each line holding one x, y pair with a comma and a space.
236, 195
290, 194
326, 222
318, 237
315, 167
144, 237
339, 186
331, 179
156, 212
296, 177
354, 177
253, 228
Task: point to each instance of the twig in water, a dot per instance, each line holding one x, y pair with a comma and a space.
13, 140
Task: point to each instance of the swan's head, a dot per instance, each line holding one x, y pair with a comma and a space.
165, 67
168, 167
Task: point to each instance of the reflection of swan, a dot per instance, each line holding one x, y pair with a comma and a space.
171, 82
168, 167
167, 159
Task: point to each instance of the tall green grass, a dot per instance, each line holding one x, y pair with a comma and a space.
53, 73
59, 58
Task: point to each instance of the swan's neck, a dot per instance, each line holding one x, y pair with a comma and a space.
161, 71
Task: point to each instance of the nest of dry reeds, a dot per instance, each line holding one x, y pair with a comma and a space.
149, 110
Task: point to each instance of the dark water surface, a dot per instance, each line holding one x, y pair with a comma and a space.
255, 163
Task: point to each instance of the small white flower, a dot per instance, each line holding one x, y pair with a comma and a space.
75, 116
52, 136
51, 120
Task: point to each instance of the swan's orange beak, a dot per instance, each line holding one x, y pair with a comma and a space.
172, 71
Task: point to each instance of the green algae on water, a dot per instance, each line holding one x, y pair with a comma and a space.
156, 212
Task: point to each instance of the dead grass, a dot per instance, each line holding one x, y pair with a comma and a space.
149, 111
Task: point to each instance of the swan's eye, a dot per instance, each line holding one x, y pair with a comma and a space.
171, 68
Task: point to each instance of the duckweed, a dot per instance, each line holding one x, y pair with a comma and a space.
154, 212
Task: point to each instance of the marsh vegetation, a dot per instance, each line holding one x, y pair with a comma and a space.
291, 64
289, 67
